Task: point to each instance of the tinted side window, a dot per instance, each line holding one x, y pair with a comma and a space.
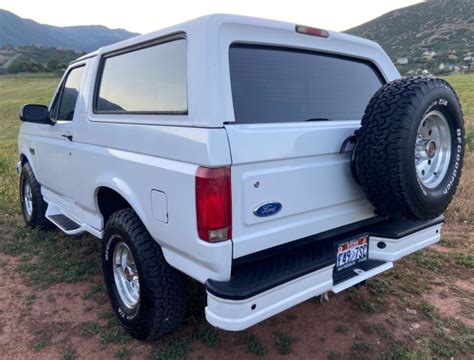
151, 79
64, 105
274, 84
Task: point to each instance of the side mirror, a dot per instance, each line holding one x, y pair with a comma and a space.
34, 113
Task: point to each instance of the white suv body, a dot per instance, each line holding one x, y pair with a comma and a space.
151, 160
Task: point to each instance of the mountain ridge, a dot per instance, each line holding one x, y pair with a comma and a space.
17, 31
427, 35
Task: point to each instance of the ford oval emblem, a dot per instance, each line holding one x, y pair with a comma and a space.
267, 209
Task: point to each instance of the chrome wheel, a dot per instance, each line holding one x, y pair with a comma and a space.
28, 198
126, 275
433, 149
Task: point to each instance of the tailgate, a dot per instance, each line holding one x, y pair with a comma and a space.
298, 166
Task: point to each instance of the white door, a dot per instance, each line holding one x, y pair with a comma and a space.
55, 145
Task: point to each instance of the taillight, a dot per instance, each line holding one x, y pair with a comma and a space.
311, 31
213, 204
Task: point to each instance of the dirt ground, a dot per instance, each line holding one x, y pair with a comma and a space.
405, 313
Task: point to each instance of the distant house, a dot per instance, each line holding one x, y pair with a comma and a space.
452, 57
449, 67
402, 61
428, 55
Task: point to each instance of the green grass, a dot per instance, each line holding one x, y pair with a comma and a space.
69, 353
123, 354
254, 346
284, 343
208, 336
177, 349
89, 329
51, 257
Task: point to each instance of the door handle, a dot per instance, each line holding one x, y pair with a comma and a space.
67, 136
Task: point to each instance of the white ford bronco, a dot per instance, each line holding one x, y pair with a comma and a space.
269, 161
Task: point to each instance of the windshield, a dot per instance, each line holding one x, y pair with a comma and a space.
276, 84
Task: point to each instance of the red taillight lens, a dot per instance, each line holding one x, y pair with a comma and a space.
213, 204
311, 31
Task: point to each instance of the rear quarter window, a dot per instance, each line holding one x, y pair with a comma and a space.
150, 79
276, 84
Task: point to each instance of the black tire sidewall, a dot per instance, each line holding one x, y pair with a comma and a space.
129, 318
435, 200
25, 178
37, 217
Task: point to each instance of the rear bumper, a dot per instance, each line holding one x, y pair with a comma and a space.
271, 283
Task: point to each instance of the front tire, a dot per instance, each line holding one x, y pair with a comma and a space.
32, 203
148, 296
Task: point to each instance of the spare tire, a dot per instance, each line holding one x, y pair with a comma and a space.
410, 148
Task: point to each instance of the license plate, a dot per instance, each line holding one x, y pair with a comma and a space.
352, 252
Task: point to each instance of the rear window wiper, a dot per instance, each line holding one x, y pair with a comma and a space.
318, 119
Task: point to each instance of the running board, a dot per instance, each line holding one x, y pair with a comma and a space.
62, 221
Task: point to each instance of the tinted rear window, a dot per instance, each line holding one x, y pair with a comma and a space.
272, 84
150, 79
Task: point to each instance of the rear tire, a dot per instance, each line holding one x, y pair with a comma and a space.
410, 148
148, 296
32, 203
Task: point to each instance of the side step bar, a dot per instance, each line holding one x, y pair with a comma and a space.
66, 223
63, 222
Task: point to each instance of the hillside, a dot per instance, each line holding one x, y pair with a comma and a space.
17, 31
32, 58
427, 34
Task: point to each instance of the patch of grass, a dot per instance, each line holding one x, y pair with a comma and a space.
426, 308
30, 300
115, 335
470, 139
69, 353
254, 346
284, 343
399, 351
462, 292
123, 354
463, 260
177, 349
360, 350
93, 291
88, 329
340, 328
334, 355
361, 347
371, 329
53, 257
106, 315
208, 336
364, 304
40, 344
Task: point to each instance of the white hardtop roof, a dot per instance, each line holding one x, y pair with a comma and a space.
208, 41
212, 23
